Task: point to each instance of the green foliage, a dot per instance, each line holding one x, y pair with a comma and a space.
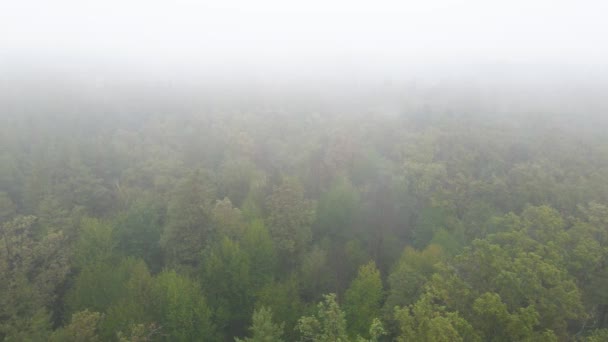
495, 323
95, 243
284, 300
598, 335
82, 328
327, 325
189, 225
227, 284
511, 266
376, 331
337, 211
227, 219
258, 245
451, 243
316, 276
53, 216
413, 270
237, 178
426, 322
430, 221
31, 271
101, 284
423, 177
180, 309
290, 216
363, 300
137, 232
140, 333
133, 308
36, 328
263, 329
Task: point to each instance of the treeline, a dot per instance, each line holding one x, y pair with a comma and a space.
309, 226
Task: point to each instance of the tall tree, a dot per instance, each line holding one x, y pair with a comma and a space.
137, 231
413, 270
327, 325
32, 269
426, 322
180, 309
283, 298
363, 300
290, 216
259, 247
263, 329
189, 226
227, 278
83, 327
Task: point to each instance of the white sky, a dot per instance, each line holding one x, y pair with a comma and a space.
291, 34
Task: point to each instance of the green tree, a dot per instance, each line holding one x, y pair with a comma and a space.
95, 243
36, 328
413, 270
82, 328
180, 309
426, 322
137, 232
521, 272
315, 274
189, 225
376, 331
132, 310
228, 219
283, 298
290, 216
263, 329
337, 225
237, 178
102, 284
337, 211
140, 333
496, 323
598, 335
227, 278
587, 255
32, 269
327, 325
363, 300
257, 243
429, 221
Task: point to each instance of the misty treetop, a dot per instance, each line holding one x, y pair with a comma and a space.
300, 221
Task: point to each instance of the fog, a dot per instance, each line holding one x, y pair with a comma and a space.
270, 38
463, 56
318, 171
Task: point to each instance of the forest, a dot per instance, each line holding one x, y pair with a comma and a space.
431, 215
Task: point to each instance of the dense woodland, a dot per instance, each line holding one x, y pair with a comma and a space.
140, 219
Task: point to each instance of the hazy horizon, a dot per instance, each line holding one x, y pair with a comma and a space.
302, 41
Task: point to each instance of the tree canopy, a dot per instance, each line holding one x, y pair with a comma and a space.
301, 224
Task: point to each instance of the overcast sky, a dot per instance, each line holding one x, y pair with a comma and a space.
294, 34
